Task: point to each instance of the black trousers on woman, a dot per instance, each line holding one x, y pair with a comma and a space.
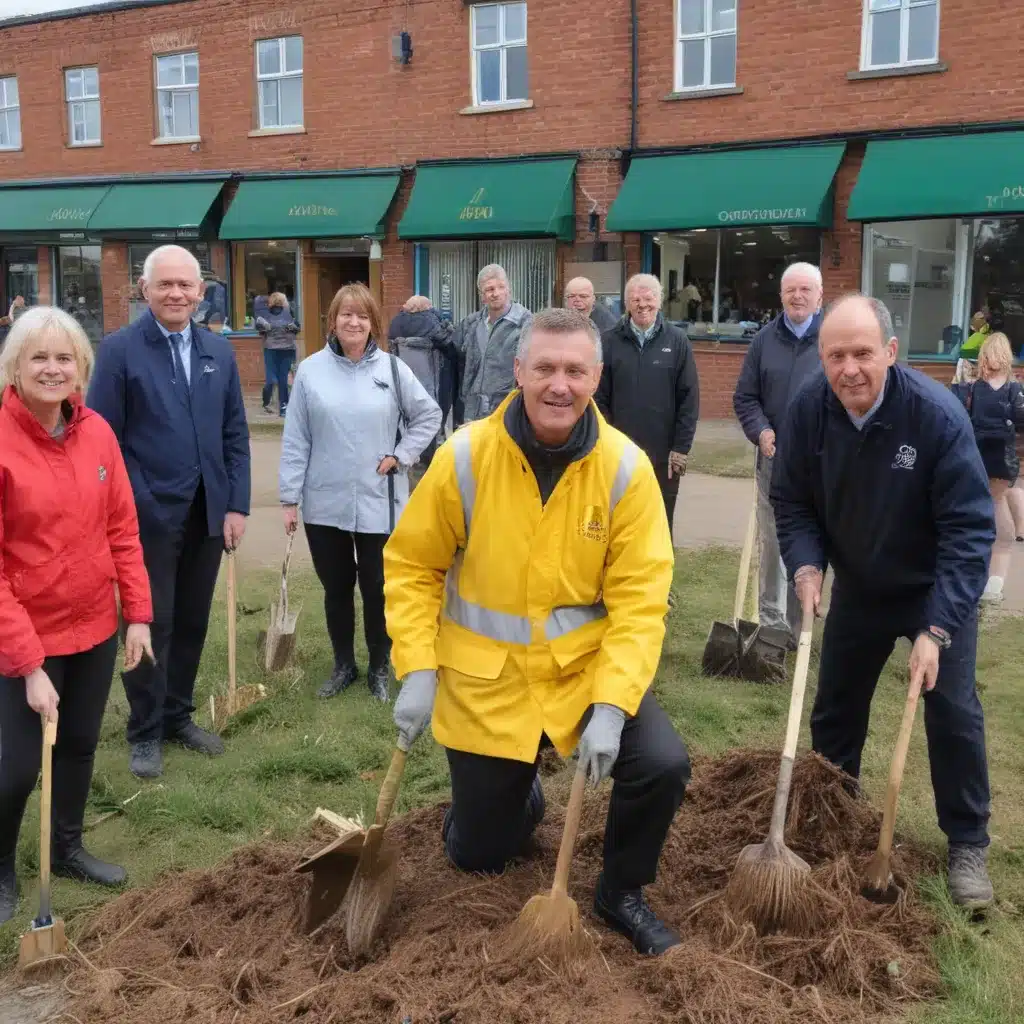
340, 558
83, 683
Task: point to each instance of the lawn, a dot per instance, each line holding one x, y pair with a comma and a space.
292, 753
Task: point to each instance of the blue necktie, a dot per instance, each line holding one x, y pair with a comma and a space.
179, 365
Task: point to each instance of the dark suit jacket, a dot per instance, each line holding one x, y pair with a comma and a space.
172, 437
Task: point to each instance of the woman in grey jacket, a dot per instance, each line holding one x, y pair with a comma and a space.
357, 421
277, 328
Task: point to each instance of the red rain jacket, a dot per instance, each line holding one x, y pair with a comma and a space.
68, 534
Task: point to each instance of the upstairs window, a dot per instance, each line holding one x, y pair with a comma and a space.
10, 114
705, 44
499, 53
82, 92
177, 96
279, 82
900, 33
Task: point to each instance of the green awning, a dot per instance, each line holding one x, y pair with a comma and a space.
491, 199
946, 176
345, 206
785, 185
178, 208
48, 214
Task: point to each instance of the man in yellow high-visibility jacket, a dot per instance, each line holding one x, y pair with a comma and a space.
526, 587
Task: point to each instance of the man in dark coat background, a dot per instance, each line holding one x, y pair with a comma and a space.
171, 391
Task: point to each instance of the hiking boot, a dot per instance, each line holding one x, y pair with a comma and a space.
191, 737
969, 884
629, 913
8, 889
147, 760
377, 681
341, 679
84, 867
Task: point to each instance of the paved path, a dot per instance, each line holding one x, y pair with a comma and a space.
710, 510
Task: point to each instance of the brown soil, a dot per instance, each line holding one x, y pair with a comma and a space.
221, 946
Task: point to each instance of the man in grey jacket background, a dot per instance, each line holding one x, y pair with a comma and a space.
781, 357
486, 342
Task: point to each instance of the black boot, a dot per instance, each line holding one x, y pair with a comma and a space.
341, 679
8, 889
629, 913
75, 863
377, 680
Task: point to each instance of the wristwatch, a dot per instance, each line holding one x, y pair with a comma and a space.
938, 636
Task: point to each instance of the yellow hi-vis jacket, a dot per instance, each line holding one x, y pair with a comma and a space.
528, 612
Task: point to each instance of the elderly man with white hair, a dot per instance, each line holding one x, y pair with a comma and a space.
170, 390
781, 357
486, 342
579, 295
649, 388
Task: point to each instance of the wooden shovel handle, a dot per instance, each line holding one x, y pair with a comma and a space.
796, 707
45, 804
232, 633
389, 790
748, 550
572, 826
283, 603
899, 760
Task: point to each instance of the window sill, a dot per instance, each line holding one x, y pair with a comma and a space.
498, 108
84, 145
178, 141
259, 133
11, 149
911, 69
705, 94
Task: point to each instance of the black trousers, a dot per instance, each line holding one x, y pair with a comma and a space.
859, 637
489, 822
340, 558
182, 564
669, 491
83, 683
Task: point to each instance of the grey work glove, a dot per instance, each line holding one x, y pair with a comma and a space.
599, 744
414, 705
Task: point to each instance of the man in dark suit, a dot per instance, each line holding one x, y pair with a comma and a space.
170, 390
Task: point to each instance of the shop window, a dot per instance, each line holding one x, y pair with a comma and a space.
10, 114
453, 266
725, 282
136, 261
997, 277
705, 44
900, 33
21, 276
79, 287
269, 266
279, 82
82, 93
499, 53
177, 96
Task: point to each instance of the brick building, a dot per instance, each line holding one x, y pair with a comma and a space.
297, 146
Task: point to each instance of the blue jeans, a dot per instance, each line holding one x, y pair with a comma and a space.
277, 362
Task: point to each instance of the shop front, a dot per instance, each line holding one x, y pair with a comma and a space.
943, 242
720, 228
305, 237
464, 215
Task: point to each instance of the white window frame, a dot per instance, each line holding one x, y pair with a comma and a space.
78, 106
185, 87
903, 62
707, 35
274, 80
503, 46
9, 109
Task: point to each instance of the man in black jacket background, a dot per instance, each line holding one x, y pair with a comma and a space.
649, 388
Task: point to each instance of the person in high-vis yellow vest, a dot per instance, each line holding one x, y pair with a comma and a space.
526, 587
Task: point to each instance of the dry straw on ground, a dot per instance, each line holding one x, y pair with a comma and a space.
222, 946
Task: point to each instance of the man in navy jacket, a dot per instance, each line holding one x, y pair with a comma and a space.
171, 392
878, 474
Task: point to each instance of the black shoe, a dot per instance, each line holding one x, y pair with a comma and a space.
377, 680
341, 679
629, 913
147, 760
191, 737
84, 867
8, 890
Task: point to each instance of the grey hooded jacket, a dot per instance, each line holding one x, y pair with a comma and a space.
485, 371
341, 421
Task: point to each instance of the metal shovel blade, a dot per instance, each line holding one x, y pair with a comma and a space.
333, 869
762, 653
722, 650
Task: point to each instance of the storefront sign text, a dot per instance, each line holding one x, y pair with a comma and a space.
784, 215
475, 208
312, 211
1007, 195
65, 213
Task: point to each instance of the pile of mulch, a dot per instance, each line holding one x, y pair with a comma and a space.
222, 946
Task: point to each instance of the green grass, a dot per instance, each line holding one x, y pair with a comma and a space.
292, 753
721, 457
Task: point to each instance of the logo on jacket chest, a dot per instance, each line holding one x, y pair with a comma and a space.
905, 458
102, 473
593, 524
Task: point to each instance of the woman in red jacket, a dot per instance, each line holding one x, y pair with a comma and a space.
68, 536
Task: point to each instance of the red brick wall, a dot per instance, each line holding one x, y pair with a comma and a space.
249, 354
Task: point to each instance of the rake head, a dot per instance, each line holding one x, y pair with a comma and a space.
768, 888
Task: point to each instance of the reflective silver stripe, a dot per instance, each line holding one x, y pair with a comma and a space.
627, 463
499, 626
572, 616
464, 474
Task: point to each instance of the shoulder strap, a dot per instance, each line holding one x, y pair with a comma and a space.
396, 378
